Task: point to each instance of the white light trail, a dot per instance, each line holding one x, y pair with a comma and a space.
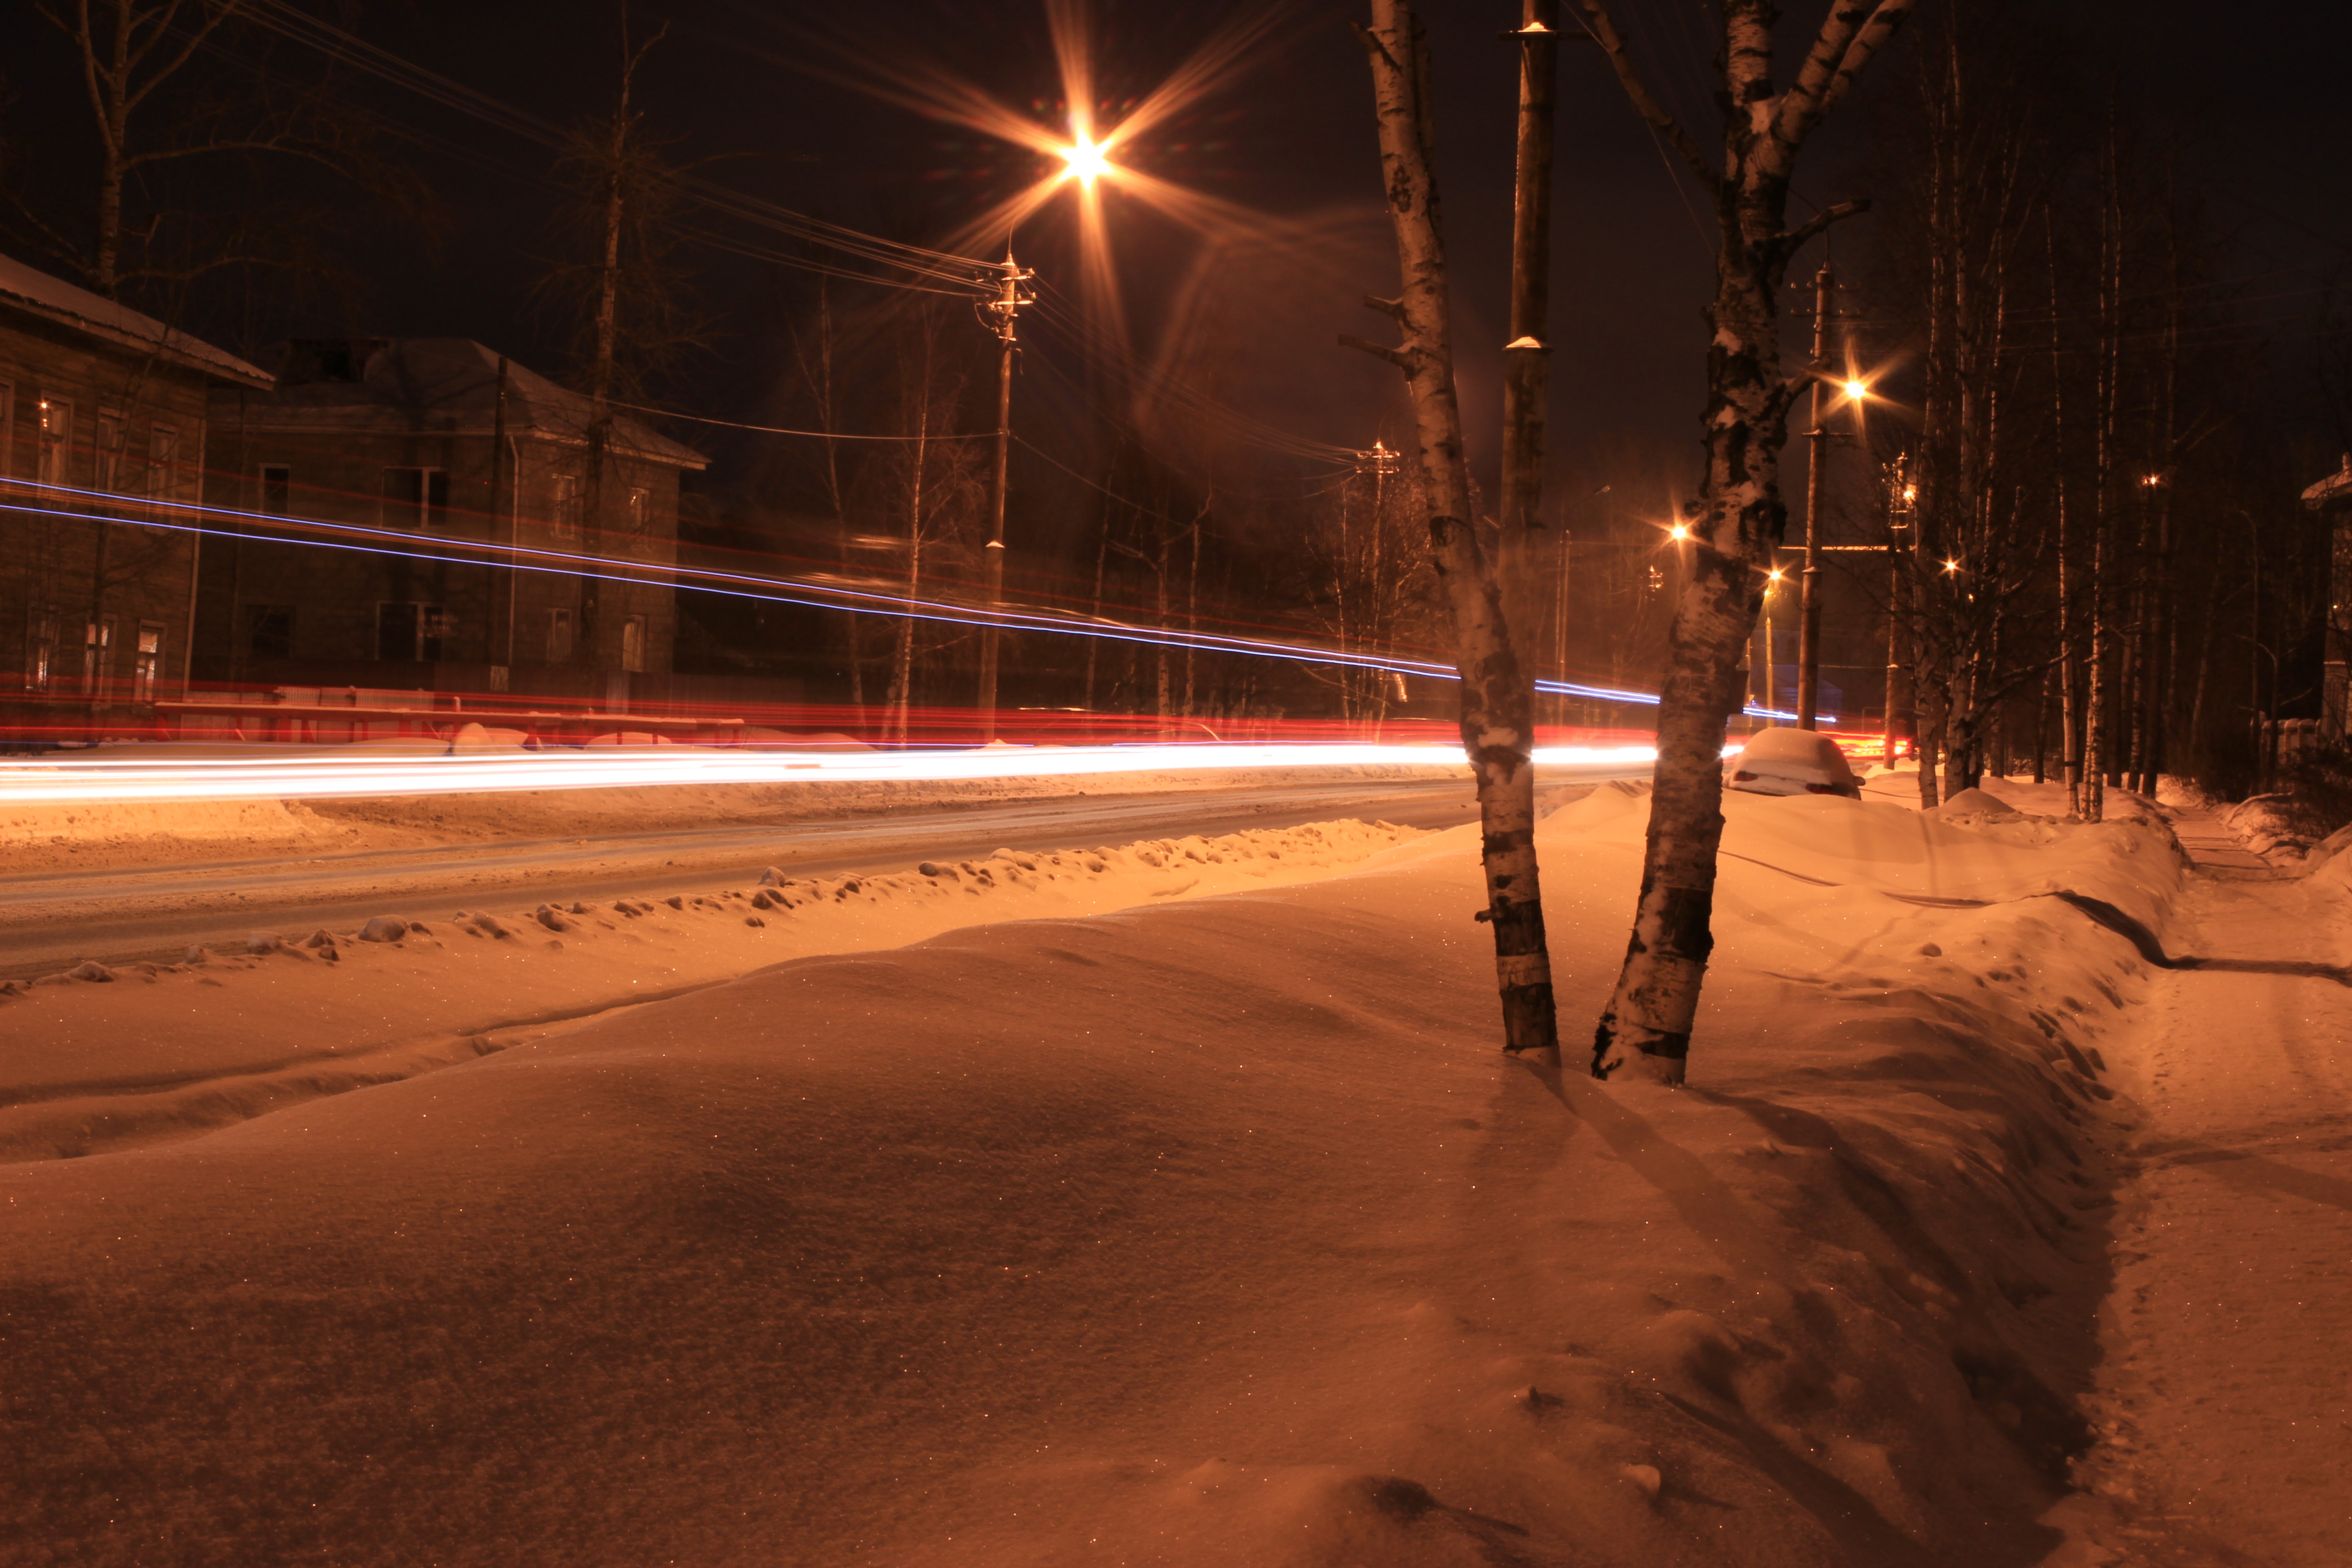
154, 774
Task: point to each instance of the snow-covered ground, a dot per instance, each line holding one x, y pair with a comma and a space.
1217, 1231
98, 1056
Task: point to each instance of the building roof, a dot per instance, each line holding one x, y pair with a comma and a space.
2333, 493
435, 386
28, 289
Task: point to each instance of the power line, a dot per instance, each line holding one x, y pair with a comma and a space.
283, 18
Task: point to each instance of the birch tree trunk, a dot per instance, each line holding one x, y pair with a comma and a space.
1738, 518
1497, 698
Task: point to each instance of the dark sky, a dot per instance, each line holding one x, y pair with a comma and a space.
1291, 136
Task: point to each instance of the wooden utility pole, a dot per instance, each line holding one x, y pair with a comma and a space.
514, 527
1902, 702
1809, 609
1497, 698
1525, 356
1005, 308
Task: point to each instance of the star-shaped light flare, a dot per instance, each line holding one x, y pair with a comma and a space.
1080, 156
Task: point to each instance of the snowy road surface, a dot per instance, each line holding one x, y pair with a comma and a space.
61, 917
2227, 1399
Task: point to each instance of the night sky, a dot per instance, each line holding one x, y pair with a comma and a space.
758, 87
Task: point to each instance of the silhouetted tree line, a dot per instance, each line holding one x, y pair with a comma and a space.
2095, 564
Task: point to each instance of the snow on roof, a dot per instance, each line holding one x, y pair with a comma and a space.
28, 289
410, 385
2333, 493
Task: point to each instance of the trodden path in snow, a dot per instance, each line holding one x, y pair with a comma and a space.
2225, 1406
2210, 842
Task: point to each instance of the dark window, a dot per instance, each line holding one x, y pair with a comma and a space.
277, 482
395, 631
270, 631
409, 631
415, 498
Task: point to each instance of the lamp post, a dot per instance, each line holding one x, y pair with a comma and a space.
1005, 308
1901, 721
1808, 612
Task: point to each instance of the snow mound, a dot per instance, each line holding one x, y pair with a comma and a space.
2269, 823
1974, 800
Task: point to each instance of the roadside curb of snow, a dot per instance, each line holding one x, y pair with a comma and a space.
1945, 1157
75, 1118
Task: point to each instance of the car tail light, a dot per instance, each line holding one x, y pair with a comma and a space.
1822, 789
1743, 776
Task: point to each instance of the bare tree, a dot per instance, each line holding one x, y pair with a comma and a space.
931, 482
1497, 698
176, 87
1372, 581
627, 300
1738, 517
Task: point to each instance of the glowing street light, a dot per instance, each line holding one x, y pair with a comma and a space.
1679, 532
1088, 160
1857, 390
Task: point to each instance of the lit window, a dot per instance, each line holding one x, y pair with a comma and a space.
97, 651
148, 663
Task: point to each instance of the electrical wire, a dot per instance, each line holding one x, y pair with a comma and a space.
290, 21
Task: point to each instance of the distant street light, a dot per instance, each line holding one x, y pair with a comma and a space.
1679, 532
1809, 611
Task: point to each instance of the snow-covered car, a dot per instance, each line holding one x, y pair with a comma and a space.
1791, 761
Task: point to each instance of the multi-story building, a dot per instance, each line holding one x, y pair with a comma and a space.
102, 442
472, 478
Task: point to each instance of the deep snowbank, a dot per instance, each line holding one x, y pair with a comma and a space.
1215, 1233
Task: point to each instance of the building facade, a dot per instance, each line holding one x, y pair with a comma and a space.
103, 440
463, 497
2332, 497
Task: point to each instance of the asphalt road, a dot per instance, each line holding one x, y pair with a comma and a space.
52, 919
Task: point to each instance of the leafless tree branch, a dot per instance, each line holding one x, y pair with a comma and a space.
1604, 28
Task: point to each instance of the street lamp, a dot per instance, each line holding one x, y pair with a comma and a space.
1808, 613
1088, 160
1771, 696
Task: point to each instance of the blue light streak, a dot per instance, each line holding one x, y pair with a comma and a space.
812, 595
